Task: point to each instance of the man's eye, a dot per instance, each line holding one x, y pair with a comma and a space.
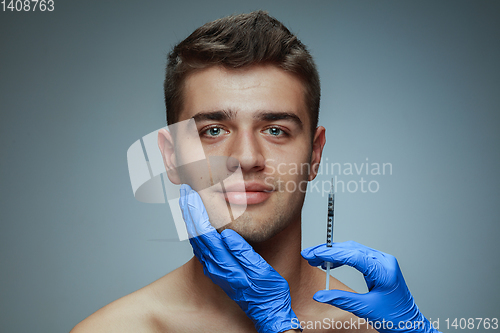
275, 131
213, 132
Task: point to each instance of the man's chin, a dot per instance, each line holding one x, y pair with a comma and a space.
252, 234
251, 238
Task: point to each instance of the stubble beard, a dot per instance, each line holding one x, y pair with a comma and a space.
257, 225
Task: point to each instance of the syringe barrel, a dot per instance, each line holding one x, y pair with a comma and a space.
329, 224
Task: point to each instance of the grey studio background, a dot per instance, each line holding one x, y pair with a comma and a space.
411, 83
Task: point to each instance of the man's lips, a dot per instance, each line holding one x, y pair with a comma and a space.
248, 193
248, 198
248, 187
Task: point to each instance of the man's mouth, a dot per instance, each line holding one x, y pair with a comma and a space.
251, 193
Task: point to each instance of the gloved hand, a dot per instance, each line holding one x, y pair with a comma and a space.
230, 262
388, 301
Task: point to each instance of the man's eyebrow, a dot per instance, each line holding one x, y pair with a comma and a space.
222, 115
217, 115
277, 115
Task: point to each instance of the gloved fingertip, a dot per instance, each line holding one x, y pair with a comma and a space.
311, 252
306, 254
227, 233
232, 239
182, 190
322, 296
185, 187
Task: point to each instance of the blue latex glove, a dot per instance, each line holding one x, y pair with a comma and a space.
388, 299
230, 262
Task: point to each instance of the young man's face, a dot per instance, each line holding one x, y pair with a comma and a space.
257, 116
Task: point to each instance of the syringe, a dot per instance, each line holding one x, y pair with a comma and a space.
329, 231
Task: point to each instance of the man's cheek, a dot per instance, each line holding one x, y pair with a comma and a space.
195, 174
216, 207
269, 169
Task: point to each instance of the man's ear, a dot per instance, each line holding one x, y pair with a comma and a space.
319, 141
166, 145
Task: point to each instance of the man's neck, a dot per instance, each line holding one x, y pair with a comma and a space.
282, 252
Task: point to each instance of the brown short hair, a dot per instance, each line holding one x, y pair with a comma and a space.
237, 41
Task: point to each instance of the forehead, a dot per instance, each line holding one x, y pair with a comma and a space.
246, 91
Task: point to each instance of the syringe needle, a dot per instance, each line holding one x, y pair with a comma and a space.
327, 275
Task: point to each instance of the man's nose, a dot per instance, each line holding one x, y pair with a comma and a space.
246, 149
